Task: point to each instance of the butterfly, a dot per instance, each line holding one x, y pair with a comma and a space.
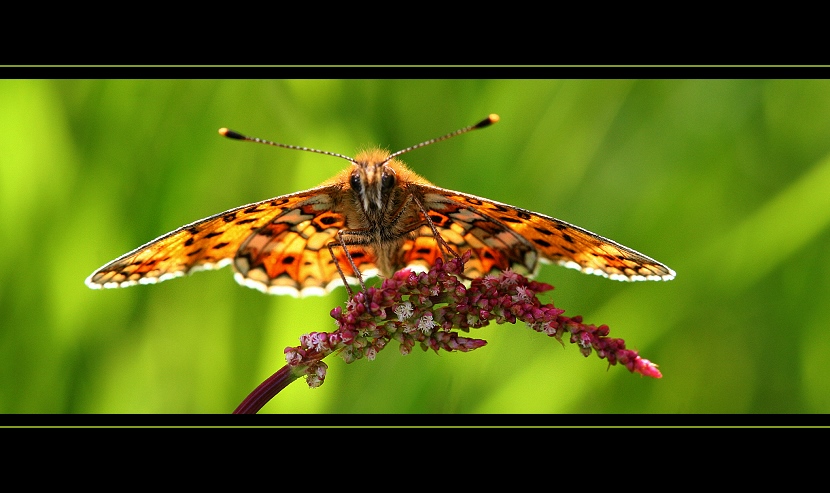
373, 218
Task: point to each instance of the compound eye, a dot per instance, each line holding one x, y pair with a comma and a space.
387, 181
355, 182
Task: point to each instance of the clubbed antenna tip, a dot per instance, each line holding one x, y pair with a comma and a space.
491, 119
226, 132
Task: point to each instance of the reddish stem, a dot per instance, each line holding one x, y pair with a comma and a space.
266, 391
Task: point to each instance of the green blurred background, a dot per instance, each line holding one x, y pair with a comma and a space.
725, 181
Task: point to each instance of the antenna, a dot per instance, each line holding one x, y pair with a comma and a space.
491, 119
238, 136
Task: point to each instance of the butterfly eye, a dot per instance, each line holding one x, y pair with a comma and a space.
387, 181
354, 181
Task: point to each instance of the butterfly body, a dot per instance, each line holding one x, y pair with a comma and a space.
375, 217
381, 212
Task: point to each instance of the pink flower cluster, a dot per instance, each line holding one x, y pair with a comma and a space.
428, 310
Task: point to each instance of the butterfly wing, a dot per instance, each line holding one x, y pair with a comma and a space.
214, 242
290, 254
503, 236
493, 246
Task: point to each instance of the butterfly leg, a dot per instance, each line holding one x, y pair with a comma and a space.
341, 243
446, 251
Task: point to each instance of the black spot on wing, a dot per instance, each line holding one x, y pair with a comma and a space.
541, 243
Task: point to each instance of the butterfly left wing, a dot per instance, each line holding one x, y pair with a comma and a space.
290, 254
209, 243
502, 236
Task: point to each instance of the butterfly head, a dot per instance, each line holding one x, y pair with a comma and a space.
373, 179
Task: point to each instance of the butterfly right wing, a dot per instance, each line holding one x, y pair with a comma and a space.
503, 236
494, 247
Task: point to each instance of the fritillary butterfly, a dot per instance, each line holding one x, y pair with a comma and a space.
375, 217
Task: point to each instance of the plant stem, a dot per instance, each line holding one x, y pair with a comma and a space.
266, 391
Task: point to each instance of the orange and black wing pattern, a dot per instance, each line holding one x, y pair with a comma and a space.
277, 245
502, 236
290, 254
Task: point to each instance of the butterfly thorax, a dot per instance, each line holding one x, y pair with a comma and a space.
381, 209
